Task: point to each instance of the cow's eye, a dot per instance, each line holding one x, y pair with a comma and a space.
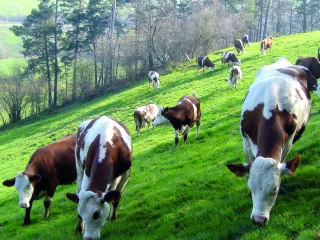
28, 186
96, 215
274, 190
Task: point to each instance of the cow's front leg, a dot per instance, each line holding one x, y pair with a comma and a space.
176, 138
47, 203
80, 226
27, 220
185, 134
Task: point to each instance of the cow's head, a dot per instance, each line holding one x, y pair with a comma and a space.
264, 183
25, 185
94, 210
160, 118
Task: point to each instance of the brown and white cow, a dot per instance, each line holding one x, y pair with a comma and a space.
239, 46
266, 44
182, 117
204, 62
235, 76
154, 79
311, 63
103, 160
274, 115
245, 40
48, 167
230, 57
145, 115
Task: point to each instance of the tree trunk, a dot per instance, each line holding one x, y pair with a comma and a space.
304, 16
55, 87
266, 19
48, 74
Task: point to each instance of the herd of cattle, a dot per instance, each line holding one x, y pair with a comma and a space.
274, 115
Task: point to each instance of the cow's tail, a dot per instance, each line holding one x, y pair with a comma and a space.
193, 93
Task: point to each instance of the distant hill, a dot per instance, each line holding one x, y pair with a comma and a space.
16, 10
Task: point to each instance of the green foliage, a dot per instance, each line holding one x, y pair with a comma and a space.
183, 193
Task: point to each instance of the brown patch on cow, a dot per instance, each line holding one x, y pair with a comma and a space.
297, 91
268, 134
92, 154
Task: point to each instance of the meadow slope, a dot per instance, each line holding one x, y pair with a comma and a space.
183, 193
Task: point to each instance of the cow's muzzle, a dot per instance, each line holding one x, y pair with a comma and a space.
24, 205
261, 220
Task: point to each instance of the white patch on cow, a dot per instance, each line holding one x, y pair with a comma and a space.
195, 110
160, 119
90, 204
204, 58
152, 75
264, 183
275, 89
25, 190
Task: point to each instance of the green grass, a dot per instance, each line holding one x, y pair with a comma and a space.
183, 193
17, 7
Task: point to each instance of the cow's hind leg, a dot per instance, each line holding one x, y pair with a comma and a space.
198, 122
185, 134
118, 184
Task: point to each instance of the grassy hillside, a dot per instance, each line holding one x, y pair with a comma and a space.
16, 8
183, 193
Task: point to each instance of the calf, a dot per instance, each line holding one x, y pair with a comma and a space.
274, 115
245, 40
230, 57
182, 117
143, 115
266, 44
239, 46
103, 160
311, 63
48, 167
205, 62
154, 79
235, 76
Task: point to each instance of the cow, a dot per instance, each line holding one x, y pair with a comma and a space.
274, 115
48, 167
311, 63
245, 40
204, 62
266, 44
230, 57
103, 160
239, 46
182, 117
235, 76
144, 115
154, 79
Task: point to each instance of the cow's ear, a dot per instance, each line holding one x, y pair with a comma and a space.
35, 178
9, 182
112, 196
288, 168
165, 110
73, 197
240, 170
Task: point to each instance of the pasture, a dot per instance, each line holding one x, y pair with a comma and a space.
183, 193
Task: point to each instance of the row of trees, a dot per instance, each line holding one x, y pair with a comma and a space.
80, 48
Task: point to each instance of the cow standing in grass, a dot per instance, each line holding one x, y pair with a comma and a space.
145, 115
235, 76
182, 117
239, 46
311, 63
274, 115
266, 44
154, 79
245, 40
48, 167
230, 57
103, 160
204, 62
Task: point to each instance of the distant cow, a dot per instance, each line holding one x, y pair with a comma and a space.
48, 167
245, 40
235, 76
154, 79
103, 160
230, 57
266, 44
204, 62
144, 115
182, 117
274, 115
311, 63
239, 46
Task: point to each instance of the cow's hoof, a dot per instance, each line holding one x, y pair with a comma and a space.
26, 223
46, 214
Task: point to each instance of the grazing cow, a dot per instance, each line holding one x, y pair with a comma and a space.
235, 76
205, 62
230, 57
311, 63
143, 115
103, 160
245, 40
154, 79
48, 167
239, 46
266, 44
274, 115
182, 117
